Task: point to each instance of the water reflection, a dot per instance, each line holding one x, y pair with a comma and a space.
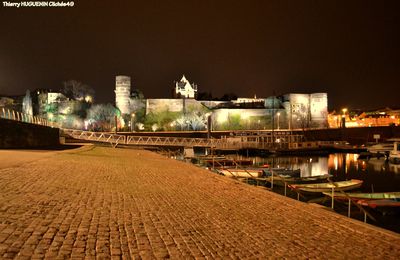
378, 175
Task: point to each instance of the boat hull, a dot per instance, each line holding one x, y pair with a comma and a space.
326, 187
367, 196
243, 173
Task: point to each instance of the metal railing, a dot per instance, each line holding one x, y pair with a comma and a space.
171, 141
22, 117
113, 139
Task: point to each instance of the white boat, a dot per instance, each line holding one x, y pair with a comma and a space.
394, 155
243, 173
382, 148
326, 187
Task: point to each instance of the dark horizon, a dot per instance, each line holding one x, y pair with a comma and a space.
348, 49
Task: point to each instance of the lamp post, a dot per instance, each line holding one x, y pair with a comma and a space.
132, 122
209, 125
278, 114
344, 110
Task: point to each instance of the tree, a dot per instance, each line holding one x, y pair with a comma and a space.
204, 96
228, 97
78, 91
102, 117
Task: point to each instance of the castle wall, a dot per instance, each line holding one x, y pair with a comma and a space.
319, 109
158, 105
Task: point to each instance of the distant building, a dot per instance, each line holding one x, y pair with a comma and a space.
358, 118
183, 89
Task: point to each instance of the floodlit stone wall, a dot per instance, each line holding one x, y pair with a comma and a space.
172, 105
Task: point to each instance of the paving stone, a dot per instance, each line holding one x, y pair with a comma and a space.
132, 204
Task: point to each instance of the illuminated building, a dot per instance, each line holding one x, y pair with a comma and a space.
183, 89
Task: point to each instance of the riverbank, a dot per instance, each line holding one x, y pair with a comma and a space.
107, 202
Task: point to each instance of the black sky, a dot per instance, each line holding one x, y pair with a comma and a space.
349, 49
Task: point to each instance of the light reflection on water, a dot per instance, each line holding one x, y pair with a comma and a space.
378, 175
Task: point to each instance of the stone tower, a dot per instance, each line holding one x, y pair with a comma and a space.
123, 93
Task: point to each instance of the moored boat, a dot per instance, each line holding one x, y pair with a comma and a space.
394, 155
367, 196
245, 173
300, 180
379, 203
326, 187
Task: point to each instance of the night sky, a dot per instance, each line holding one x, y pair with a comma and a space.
349, 49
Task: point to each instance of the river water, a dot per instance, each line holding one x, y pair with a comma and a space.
378, 176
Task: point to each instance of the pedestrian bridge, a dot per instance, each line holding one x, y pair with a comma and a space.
224, 143
118, 139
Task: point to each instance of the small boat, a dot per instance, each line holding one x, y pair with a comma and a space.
367, 196
394, 155
379, 203
245, 173
381, 148
301, 180
326, 187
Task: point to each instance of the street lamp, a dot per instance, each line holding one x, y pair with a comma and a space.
278, 114
344, 110
132, 122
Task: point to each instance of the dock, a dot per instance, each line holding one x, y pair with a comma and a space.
99, 202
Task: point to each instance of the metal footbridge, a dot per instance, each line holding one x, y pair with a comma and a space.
118, 139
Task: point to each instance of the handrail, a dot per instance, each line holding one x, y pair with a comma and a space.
25, 118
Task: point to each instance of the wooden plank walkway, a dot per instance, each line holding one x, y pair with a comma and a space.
111, 203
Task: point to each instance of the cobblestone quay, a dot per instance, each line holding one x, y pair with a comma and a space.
119, 203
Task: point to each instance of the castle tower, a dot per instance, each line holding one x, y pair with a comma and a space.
122, 93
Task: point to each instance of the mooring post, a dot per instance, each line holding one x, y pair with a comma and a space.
272, 179
349, 208
285, 188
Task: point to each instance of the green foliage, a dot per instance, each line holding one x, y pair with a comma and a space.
102, 116
162, 119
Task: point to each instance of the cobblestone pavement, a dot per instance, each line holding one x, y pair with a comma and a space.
119, 203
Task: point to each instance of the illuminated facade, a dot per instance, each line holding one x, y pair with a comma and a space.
306, 110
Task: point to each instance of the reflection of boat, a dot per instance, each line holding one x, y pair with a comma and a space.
367, 196
326, 187
394, 155
246, 173
283, 172
227, 162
